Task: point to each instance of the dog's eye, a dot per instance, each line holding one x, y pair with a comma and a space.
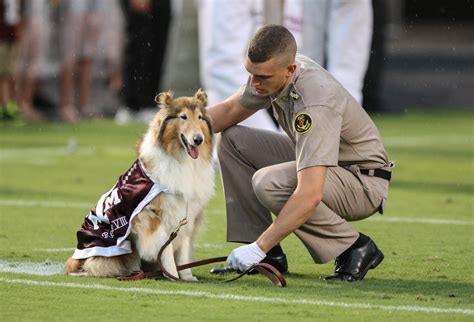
184, 117
200, 117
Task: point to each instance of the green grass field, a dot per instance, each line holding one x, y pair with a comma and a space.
52, 174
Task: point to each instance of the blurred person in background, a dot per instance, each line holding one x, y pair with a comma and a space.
9, 29
31, 54
224, 29
147, 25
113, 43
337, 35
374, 75
80, 31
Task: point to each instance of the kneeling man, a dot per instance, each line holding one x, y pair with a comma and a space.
328, 169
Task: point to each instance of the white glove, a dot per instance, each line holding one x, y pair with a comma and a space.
245, 256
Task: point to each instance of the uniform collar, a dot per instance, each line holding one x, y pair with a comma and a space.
289, 91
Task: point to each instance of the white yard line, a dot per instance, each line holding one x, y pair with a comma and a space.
412, 220
40, 152
420, 140
73, 147
54, 250
46, 204
208, 245
87, 206
53, 151
391, 219
243, 298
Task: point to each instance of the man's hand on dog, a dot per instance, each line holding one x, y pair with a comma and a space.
245, 256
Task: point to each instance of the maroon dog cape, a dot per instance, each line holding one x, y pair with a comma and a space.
106, 228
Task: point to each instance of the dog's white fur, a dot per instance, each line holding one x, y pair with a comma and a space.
189, 183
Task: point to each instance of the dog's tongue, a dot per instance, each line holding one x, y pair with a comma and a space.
193, 152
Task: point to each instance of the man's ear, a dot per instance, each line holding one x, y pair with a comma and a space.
290, 70
164, 99
202, 96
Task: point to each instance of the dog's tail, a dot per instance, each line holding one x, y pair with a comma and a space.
73, 266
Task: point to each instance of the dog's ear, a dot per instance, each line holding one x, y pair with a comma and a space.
202, 96
164, 99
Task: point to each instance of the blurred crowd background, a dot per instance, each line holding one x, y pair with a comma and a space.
67, 60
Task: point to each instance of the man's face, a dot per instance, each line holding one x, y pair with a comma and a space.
270, 77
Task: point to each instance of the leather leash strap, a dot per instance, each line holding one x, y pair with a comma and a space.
264, 268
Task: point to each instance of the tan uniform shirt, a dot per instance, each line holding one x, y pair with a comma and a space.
327, 125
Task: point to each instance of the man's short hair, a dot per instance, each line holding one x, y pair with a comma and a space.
270, 41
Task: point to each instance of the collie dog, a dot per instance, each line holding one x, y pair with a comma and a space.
172, 179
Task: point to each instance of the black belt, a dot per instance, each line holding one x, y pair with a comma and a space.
380, 173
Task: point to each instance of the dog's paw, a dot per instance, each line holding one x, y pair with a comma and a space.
190, 279
187, 276
78, 274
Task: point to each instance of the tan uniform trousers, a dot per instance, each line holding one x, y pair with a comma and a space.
258, 170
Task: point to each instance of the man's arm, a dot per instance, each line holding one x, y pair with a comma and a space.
297, 210
227, 113
299, 207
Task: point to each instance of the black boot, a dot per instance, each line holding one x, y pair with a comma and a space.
279, 262
354, 263
277, 259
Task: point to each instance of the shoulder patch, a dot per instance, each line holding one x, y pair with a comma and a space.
303, 123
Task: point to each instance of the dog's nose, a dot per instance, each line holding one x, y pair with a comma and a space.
198, 139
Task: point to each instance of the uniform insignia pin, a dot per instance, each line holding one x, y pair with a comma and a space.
294, 95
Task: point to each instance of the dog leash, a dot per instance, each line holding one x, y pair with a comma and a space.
264, 268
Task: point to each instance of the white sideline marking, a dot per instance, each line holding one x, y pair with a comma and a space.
86, 206
70, 249
224, 296
31, 268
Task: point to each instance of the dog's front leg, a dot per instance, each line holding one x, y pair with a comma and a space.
168, 262
184, 256
149, 245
